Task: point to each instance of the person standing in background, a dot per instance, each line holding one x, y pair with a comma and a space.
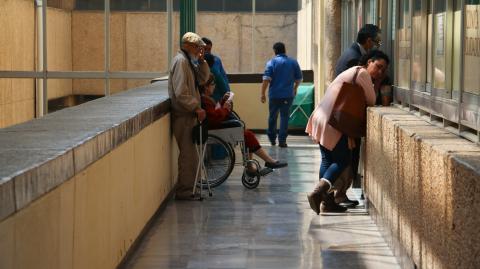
218, 71
282, 77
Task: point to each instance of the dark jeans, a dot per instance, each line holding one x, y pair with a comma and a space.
356, 157
275, 106
335, 161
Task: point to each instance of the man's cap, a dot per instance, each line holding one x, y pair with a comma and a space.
193, 38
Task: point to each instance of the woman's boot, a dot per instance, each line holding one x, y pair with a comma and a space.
318, 195
329, 206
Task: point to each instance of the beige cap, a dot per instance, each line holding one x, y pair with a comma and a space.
190, 37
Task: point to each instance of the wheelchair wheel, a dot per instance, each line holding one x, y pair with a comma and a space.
219, 160
250, 182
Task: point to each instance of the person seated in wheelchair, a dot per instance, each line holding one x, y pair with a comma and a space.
218, 112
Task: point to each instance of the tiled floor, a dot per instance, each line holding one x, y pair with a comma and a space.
271, 226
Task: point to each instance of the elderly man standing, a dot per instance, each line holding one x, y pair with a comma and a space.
188, 70
284, 75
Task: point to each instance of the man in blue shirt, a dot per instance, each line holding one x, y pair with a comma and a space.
282, 76
217, 64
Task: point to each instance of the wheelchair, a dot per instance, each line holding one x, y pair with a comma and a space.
220, 158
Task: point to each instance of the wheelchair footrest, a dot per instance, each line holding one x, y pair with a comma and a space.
265, 171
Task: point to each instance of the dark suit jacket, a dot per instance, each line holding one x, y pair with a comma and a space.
349, 58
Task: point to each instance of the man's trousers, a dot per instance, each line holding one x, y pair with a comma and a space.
187, 159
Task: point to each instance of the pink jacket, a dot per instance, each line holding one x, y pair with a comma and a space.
317, 127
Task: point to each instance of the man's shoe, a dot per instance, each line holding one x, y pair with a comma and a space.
273, 143
329, 205
332, 208
349, 203
283, 145
276, 164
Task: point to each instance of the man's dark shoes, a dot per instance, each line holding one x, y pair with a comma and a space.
276, 164
331, 208
329, 205
283, 145
349, 203
273, 143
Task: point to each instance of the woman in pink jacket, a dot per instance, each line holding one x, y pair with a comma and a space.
335, 147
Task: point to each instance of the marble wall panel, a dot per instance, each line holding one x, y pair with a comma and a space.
434, 191
464, 222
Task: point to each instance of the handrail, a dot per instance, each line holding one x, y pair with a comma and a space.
41, 154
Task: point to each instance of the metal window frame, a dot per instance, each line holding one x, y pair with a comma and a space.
106, 74
426, 105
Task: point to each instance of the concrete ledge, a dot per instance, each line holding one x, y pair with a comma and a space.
422, 184
37, 156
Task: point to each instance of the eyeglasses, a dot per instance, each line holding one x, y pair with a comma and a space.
377, 42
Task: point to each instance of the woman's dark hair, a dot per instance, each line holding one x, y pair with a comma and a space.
374, 55
210, 80
209, 59
279, 48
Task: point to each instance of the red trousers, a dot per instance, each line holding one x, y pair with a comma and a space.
251, 141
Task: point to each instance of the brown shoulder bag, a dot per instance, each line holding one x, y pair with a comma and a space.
349, 111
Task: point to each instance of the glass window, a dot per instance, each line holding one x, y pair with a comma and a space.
403, 45
419, 41
472, 47
211, 5
441, 47
371, 11
469, 115
90, 4
349, 30
238, 5
123, 5
275, 5
457, 49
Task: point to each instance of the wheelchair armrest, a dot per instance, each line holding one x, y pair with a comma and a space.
232, 123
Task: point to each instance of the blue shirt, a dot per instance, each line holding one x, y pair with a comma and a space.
217, 64
282, 72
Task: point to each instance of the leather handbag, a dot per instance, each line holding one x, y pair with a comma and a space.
349, 110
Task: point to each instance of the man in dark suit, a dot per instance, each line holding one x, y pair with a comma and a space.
367, 38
